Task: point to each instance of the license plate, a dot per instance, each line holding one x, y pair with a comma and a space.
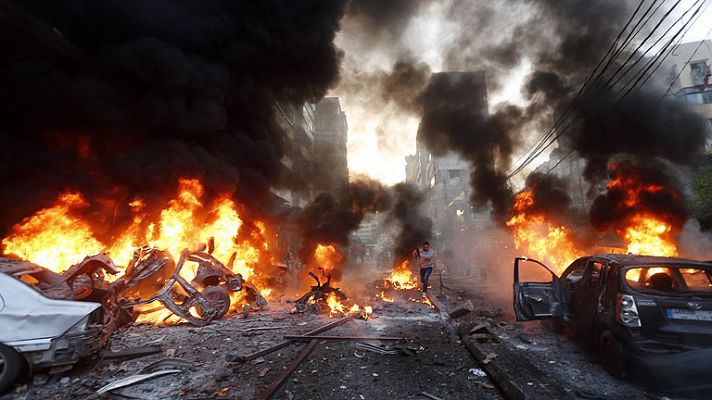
696, 315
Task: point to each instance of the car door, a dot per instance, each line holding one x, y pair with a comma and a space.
538, 299
586, 294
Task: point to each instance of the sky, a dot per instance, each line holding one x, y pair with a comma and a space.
381, 136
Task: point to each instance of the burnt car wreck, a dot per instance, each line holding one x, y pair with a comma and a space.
649, 318
319, 293
153, 271
49, 321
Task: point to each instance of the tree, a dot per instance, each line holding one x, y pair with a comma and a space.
702, 193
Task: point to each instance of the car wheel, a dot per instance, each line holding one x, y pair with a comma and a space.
553, 325
12, 366
612, 355
219, 300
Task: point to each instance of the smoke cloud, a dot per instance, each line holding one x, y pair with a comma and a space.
171, 89
414, 227
330, 218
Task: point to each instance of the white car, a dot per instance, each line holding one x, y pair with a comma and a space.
42, 326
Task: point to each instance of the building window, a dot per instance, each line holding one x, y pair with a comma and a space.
454, 173
699, 70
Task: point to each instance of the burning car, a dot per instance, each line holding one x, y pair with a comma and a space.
153, 272
646, 316
49, 321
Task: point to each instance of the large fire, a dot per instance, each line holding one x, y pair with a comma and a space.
327, 257
402, 277
540, 238
53, 237
58, 236
649, 235
643, 232
626, 210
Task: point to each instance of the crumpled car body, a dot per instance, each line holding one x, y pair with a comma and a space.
153, 276
53, 319
48, 332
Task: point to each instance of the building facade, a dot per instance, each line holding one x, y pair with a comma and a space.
686, 72
297, 122
330, 137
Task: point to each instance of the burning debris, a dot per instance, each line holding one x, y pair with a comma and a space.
208, 296
401, 278
322, 293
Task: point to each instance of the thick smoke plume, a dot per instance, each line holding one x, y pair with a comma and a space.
330, 218
414, 227
636, 190
169, 90
455, 118
643, 127
550, 198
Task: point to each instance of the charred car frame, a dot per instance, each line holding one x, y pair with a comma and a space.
649, 318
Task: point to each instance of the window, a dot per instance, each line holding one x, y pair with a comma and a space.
576, 272
454, 173
699, 70
595, 272
696, 279
669, 279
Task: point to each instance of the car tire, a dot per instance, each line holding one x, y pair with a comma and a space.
12, 367
553, 325
219, 299
612, 354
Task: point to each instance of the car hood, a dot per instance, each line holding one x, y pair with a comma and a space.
26, 314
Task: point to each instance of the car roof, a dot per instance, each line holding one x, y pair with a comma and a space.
634, 259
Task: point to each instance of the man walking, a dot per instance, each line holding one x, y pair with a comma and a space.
426, 260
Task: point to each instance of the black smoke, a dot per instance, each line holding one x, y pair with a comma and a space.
383, 20
643, 127
168, 90
331, 217
645, 190
456, 118
413, 227
551, 198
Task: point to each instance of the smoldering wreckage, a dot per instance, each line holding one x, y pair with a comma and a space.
106, 250
52, 320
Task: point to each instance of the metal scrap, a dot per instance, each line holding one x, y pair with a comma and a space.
376, 349
131, 380
319, 292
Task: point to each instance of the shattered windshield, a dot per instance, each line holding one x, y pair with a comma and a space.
673, 279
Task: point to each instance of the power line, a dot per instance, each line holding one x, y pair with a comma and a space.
663, 50
536, 149
658, 59
688, 62
540, 149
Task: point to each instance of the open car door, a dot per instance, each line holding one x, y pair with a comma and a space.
535, 300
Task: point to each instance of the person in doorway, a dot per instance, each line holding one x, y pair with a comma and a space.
426, 261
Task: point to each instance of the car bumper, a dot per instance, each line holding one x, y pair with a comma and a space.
63, 350
675, 373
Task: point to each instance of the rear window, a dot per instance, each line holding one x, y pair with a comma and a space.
673, 279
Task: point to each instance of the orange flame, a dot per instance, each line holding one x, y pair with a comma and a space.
648, 235
402, 277
56, 238
538, 237
328, 257
644, 233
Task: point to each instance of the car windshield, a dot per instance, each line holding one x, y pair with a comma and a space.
675, 279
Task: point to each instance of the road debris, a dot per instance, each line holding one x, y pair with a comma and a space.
134, 379
430, 396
